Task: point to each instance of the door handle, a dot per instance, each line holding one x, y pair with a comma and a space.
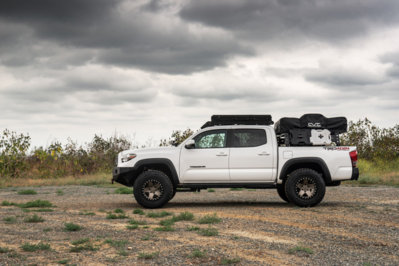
264, 154
221, 154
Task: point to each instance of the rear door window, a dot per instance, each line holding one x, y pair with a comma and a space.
248, 137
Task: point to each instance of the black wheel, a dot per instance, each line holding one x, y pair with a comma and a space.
281, 191
305, 187
152, 189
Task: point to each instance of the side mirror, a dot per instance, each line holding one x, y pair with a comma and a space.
190, 144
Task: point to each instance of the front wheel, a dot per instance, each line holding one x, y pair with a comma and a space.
305, 187
152, 189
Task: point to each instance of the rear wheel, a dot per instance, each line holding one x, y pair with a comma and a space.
281, 191
305, 187
152, 189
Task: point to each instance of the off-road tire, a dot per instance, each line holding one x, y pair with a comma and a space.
173, 193
281, 191
305, 187
152, 189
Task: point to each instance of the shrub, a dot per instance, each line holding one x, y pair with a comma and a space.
113, 216
208, 232
164, 229
147, 256
138, 211
209, 219
27, 192
34, 219
197, 253
226, 261
71, 227
10, 219
35, 247
36, 204
300, 249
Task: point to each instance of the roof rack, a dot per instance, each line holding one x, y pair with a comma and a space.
222, 120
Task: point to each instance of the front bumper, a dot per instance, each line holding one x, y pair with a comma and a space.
123, 175
355, 173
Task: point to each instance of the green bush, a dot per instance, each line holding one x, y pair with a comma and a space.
71, 227
27, 192
35, 247
209, 219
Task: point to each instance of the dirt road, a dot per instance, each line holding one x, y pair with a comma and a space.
352, 226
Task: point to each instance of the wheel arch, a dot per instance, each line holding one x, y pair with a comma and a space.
314, 163
160, 164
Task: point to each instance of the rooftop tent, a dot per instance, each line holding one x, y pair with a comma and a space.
219, 120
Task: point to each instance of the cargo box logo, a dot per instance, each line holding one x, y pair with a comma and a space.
314, 124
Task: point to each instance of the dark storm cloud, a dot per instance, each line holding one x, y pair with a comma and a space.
267, 20
108, 34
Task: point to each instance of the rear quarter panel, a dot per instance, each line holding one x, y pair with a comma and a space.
336, 158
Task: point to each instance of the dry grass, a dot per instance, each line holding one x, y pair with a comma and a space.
94, 179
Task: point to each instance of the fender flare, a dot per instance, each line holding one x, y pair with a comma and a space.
159, 161
306, 161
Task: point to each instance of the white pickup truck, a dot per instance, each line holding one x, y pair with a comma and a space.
235, 156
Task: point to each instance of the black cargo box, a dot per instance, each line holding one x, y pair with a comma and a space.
336, 125
218, 120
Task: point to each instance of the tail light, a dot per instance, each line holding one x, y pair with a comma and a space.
353, 155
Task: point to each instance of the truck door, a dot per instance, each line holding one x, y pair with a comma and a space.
251, 156
208, 161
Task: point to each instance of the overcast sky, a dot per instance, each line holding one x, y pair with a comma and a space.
144, 68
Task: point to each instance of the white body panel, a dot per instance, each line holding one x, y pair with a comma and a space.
243, 165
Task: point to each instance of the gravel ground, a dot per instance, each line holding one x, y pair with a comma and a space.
352, 226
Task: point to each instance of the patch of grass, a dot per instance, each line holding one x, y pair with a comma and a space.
123, 190
251, 189
116, 243
64, 261
48, 229
226, 261
208, 232
27, 192
113, 216
164, 229
184, 216
135, 222
35, 247
4, 250
87, 213
10, 220
60, 192
80, 241
138, 211
36, 204
236, 189
211, 190
43, 210
34, 219
71, 227
7, 203
209, 219
197, 254
300, 249
167, 222
132, 226
119, 211
148, 256
193, 228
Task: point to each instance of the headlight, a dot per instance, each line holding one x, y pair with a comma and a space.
128, 157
